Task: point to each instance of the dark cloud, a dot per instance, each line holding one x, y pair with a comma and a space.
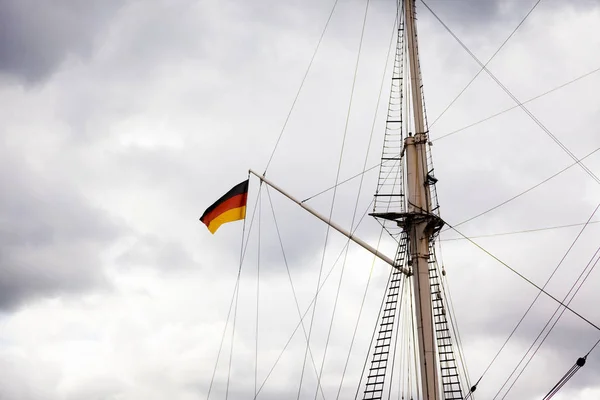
473, 11
50, 238
478, 14
177, 105
37, 37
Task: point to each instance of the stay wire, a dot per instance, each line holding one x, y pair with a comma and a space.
257, 293
346, 180
243, 251
235, 307
576, 367
311, 304
337, 178
523, 192
593, 347
222, 339
374, 332
453, 319
556, 321
356, 205
360, 186
524, 278
486, 64
301, 86
533, 303
362, 304
287, 268
516, 106
399, 310
512, 96
237, 293
550, 228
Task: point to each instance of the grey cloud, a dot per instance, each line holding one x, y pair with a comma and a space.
152, 251
38, 36
480, 14
18, 382
50, 237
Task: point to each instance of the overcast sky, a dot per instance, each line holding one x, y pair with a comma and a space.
123, 120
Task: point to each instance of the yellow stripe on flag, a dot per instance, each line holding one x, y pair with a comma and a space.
228, 216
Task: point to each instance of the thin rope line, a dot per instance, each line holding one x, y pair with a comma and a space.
257, 294
516, 106
374, 331
534, 301
293, 289
301, 86
243, 251
362, 303
486, 64
360, 186
558, 308
512, 96
524, 278
524, 192
346, 180
556, 321
310, 304
222, 339
398, 312
519, 232
335, 190
445, 287
593, 347
232, 340
237, 292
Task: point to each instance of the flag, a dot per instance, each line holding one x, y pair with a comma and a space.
230, 207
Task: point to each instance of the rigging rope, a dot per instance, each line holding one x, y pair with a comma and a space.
516, 106
523, 231
524, 192
374, 332
301, 86
578, 364
337, 178
360, 186
555, 322
397, 323
453, 320
310, 304
486, 64
294, 292
346, 180
233, 296
533, 303
524, 278
362, 304
356, 205
237, 295
512, 96
257, 293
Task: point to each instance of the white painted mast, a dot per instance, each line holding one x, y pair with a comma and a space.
421, 223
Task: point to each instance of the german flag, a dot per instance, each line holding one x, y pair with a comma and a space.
230, 207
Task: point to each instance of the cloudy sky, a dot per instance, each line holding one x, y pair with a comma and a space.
123, 120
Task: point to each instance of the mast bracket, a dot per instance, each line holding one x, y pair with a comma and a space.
406, 220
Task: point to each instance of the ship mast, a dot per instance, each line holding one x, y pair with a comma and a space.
420, 223
406, 205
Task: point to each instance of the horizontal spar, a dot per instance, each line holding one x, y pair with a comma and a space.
338, 228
